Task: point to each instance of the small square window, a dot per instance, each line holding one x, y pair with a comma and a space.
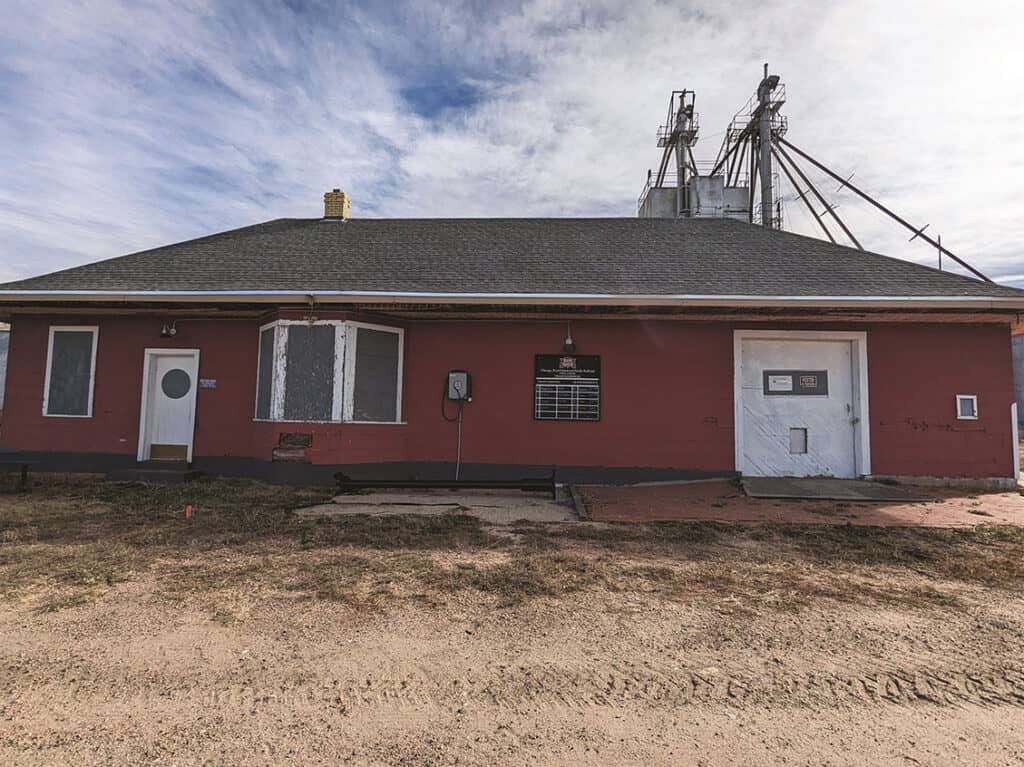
967, 407
798, 441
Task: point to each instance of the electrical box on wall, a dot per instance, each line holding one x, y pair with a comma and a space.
460, 385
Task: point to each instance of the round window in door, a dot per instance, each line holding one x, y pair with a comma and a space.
176, 383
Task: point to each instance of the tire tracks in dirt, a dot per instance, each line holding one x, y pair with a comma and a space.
517, 687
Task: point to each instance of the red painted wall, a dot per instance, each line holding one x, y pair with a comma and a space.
667, 396
915, 372
224, 422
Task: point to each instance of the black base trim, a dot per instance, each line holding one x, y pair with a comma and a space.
289, 473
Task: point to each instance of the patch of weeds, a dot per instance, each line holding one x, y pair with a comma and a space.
992, 556
649, 573
532, 537
223, 617
333, 578
78, 535
413, 531
70, 575
667, 534
522, 578
215, 573
787, 588
64, 600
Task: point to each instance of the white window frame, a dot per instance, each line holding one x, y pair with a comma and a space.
974, 399
350, 365
344, 367
95, 330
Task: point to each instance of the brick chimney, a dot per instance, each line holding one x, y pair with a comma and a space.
335, 204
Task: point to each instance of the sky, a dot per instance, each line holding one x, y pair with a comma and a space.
125, 126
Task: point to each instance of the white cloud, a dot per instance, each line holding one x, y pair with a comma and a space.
134, 125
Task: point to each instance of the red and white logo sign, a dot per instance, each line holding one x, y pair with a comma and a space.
567, 363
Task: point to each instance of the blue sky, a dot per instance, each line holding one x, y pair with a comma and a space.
130, 125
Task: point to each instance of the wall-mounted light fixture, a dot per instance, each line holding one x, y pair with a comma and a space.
311, 318
169, 330
569, 346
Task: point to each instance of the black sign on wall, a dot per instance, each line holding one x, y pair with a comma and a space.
566, 387
790, 382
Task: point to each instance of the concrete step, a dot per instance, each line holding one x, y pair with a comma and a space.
156, 472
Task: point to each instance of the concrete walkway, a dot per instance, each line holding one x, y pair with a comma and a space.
498, 507
708, 501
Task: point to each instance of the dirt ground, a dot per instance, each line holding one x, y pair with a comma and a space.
130, 635
725, 501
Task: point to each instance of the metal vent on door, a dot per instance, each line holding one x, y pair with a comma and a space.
798, 441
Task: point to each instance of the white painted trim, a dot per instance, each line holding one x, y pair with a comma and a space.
147, 362
259, 363
279, 377
859, 365
338, 395
1015, 440
349, 381
280, 370
95, 330
640, 299
956, 403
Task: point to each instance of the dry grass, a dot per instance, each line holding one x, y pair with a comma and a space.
72, 538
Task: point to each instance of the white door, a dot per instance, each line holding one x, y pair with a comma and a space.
798, 409
169, 384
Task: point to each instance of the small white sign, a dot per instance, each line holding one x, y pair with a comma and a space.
780, 383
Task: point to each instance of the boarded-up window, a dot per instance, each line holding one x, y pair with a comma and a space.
375, 390
329, 371
309, 373
265, 374
69, 374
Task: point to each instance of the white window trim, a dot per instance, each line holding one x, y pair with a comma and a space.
95, 330
350, 365
259, 363
344, 365
974, 399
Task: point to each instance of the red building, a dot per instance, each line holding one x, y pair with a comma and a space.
606, 349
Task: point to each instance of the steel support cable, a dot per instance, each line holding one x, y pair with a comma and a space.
755, 167
721, 162
801, 195
736, 166
663, 167
828, 208
885, 210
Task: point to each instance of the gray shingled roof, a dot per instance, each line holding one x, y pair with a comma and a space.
619, 256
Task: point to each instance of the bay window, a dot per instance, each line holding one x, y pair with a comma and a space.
329, 371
